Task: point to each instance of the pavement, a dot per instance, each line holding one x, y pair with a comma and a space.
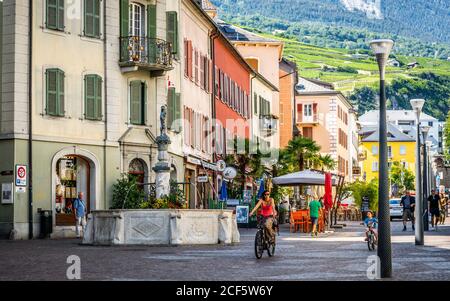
342, 255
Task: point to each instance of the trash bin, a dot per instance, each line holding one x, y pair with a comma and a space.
46, 221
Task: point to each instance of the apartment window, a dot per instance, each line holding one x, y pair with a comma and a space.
55, 14
402, 150
172, 30
307, 110
137, 20
93, 97
255, 103
374, 166
173, 109
138, 102
54, 92
92, 18
430, 123
374, 150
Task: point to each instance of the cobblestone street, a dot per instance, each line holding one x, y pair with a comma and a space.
336, 256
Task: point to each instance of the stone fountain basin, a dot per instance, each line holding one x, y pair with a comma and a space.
161, 227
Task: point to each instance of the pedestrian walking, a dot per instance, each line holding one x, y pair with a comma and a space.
433, 201
314, 207
408, 202
79, 207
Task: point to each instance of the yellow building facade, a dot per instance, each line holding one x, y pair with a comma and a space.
400, 151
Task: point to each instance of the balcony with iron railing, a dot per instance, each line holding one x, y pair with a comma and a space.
143, 53
312, 119
268, 124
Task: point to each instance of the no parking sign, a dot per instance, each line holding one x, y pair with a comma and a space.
21, 175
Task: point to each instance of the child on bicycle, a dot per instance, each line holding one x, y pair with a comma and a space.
370, 220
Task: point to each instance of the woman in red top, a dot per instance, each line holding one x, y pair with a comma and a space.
268, 212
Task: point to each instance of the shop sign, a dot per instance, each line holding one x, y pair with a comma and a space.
21, 175
209, 165
356, 171
242, 214
194, 161
229, 173
7, 195
232, 202
221, 165
202, 179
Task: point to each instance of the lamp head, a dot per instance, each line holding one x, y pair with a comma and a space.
382, 49
417, 104
425, 129
382, 46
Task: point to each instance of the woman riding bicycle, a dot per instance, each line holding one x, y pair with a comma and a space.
268, 212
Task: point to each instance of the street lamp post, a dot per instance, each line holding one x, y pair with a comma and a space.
417, 105
425, 130
381, 49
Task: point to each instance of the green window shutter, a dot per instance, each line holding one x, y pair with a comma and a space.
135, 102
92, 18
178, 111
172, 30
52, 14
60, 103
51, 92
54, 92
124, 18
151, 33
89, 94
98, 98
93, 97
61, 14
144, 103
170, 107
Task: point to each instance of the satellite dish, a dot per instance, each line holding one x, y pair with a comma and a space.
221, 165
230, 173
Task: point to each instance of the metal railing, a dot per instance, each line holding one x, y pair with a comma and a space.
268, 124
145, 51
307, 119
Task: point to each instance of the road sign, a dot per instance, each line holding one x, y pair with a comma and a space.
21, 175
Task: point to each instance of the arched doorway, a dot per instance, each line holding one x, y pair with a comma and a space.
137, 168
74, 170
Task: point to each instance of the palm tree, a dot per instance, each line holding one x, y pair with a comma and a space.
324, 162
301, 150
247, 164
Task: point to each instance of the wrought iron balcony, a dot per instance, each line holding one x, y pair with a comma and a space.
268, 124
145, 53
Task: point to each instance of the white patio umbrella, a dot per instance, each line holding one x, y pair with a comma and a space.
305, 177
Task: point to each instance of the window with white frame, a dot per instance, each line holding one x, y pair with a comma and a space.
374, 150
375, 166
402, 150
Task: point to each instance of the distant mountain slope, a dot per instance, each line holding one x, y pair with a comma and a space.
427, 20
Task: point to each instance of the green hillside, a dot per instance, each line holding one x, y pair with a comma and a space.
352, 70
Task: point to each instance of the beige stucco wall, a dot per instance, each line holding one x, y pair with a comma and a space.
325, 132
194, 27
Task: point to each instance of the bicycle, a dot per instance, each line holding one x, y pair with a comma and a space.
261, 242
371, 238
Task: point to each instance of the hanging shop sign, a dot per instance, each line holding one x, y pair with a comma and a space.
21, 175
209, 165
221, 165
229, 173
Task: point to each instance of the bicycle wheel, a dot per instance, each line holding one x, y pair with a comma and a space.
370, 242
271, 249
259, 244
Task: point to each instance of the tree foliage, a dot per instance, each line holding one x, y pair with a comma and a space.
401, 177
360, 189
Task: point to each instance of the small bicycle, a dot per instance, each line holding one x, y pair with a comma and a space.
261, 242
371, 238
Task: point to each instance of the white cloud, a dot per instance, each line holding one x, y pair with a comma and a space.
372, 8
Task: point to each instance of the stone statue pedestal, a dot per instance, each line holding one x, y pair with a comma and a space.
162, 168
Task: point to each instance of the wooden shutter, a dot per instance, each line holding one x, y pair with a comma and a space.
178, 111
98, 98
217, 81
151, 33
135, 102
202, 71
186, 58
314, 111
124, 18
170, 107
89, 97
55, 14
190, 63
52, 91
172, 30
60, 103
